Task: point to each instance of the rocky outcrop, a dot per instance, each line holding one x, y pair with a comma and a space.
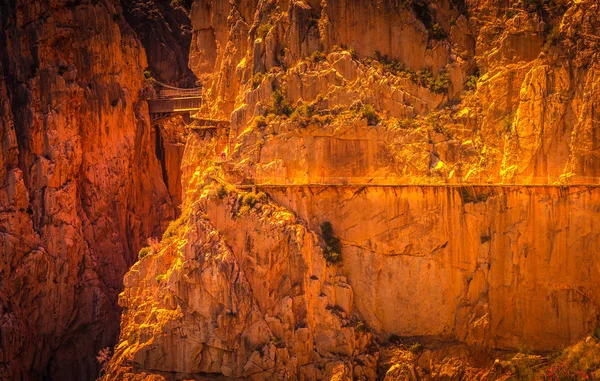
493, 263
257, 299
80, 185
342, 92
165, 31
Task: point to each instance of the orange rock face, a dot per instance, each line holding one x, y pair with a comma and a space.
80, 184
399, 122
325, 94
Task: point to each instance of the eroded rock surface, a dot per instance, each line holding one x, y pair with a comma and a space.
342, 92
80, 184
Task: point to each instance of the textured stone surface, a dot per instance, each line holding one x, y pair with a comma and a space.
487, 268
80, 185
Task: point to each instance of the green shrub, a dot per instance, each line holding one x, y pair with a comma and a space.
261, 197
147, 74
425, 78
360, 326
244, 210
259, 122
437, 32
144, 252
508, 121
222, 192
257, 79
159, 278
317, 56
303, 115
333, 247
176, 226
369, 113
471, 83
353, 53
510, 13
552, 38
249, 199
406, 124
279, 105
263, 30
416, 348
554, 7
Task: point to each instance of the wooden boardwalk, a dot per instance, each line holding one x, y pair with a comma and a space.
169, 101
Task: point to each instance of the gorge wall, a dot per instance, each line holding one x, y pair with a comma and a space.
326, 93
80, 184
243, 284
502, 267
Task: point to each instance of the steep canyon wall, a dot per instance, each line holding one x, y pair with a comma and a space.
505, 267
80, 183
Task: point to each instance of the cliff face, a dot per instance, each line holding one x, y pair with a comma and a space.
80, 184
335, 92
505, 268
344, 92
165, 33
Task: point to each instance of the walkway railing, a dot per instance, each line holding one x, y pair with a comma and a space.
169, 100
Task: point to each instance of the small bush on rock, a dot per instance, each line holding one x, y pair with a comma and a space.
333, 246
369, 113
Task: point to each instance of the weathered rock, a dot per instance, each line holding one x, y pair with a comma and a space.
80, 184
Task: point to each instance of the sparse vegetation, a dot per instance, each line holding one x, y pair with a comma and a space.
249, 199
437, 32
144, 252
147, 74
416, 348
263, 30
222, 192
507, 122
333, 246
368, 112
563, 372
177, 226
317, 56
259, 122
425, 78
353, 53
261, 197
554, 7
279, 104
471, 83
406, 124
552, 38
103, 359
244, 210
510, 13
257, 79
306, 114
360, 326
159, 278
303, 114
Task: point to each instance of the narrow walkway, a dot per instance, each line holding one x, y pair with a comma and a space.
370, 185
169, 100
